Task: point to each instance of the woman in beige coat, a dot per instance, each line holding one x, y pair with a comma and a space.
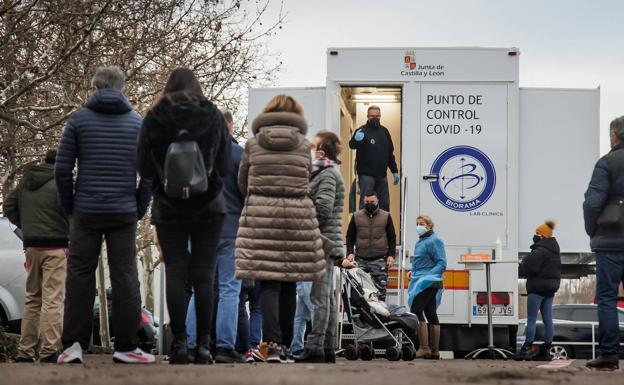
278, 242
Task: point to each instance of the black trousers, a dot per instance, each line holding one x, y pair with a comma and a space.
192, 263
86, 232
279, 302
424, 306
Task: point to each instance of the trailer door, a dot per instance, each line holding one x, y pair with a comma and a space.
463, 160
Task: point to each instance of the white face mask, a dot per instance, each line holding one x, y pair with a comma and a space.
313, 155
421, 230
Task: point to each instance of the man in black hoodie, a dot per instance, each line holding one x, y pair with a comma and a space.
374, 155
33, 208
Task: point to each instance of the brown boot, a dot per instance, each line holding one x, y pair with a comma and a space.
434, 341
423, 340
605, 363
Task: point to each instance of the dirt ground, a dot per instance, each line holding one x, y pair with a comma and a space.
99, 370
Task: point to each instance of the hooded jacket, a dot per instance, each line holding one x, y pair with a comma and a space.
205, 125
102, 137
34, 208
278, 238
542, 268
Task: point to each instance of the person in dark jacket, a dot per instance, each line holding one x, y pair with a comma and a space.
33, 207
371, 241
229, 286
327, 192
105, 202
604, 223
542, 269
374, 155
198, 219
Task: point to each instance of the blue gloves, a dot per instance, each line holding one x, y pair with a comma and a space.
395, 178
359, 135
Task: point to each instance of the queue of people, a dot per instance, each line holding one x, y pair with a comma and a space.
254, 223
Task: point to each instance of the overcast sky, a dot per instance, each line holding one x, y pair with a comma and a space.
563, 43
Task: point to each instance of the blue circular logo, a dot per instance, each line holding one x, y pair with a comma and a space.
466, 178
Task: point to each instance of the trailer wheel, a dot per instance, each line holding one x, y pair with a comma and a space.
408, 353
366, 352
393, 353
352, 353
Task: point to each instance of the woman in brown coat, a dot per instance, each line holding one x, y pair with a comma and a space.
278, 242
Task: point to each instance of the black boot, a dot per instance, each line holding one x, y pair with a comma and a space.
544, 353
526, 353
312, 356
330, 356
202, 354
605, 363
179, 353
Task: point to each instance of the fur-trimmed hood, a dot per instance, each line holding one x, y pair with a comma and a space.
279, 131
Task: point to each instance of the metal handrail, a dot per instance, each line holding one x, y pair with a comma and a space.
402, 256
593, 343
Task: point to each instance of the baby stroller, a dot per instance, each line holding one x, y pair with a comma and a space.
374, 321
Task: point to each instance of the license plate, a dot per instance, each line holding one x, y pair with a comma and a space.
497, 310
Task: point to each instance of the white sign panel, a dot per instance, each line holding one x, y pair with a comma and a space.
463, 130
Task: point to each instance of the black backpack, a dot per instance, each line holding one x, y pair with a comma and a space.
185, 172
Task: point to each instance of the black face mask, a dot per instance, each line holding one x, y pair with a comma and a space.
370, 208
374, 122
536, 238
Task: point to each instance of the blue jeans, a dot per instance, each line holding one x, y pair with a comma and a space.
191, 324
609, 275
535, 303
249, 325
229, 291
303, 314
227, 308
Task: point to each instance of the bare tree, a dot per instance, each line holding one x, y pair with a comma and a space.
49, 50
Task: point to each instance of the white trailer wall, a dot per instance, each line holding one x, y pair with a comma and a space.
559, 146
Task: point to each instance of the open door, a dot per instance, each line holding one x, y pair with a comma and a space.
354, 104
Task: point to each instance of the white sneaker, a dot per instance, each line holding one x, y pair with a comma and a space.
71, 355
137, 356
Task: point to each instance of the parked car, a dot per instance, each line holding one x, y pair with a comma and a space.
147, 335
12, 277
573, 324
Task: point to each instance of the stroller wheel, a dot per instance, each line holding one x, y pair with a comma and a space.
393, 353
408, 353
352, 353
366, 352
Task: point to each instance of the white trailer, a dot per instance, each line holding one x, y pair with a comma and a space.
483, 157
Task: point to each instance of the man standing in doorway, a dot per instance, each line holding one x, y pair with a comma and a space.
374, 155
602, 210
371, 241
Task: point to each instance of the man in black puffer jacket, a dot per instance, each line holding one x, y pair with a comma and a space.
604, 223
105, 202
542, 270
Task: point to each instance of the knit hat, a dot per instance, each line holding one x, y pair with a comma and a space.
546, 229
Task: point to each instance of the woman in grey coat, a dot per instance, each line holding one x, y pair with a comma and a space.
327, 192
